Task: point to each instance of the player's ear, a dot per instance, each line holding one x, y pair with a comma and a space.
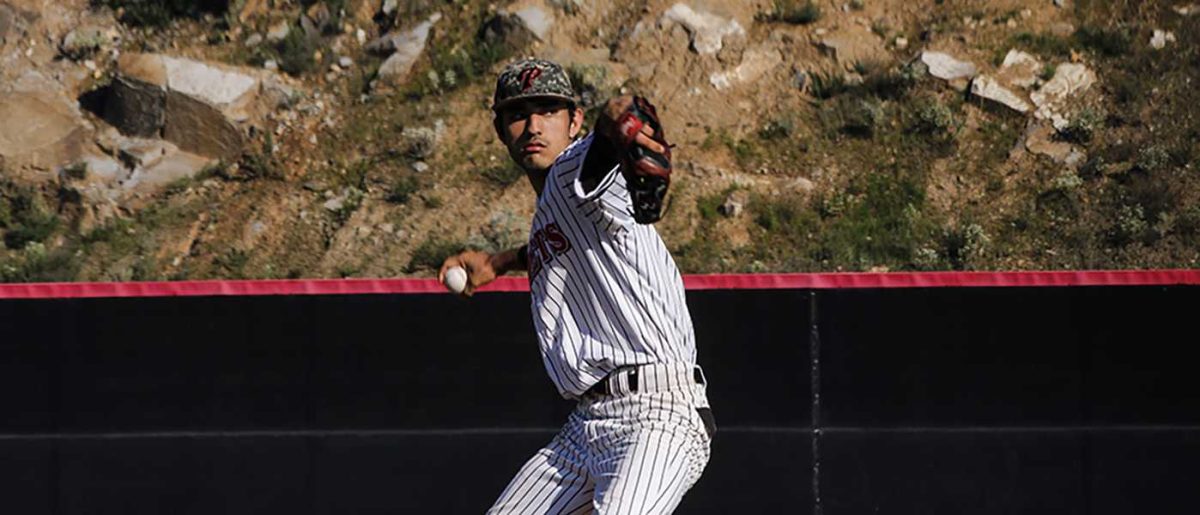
576, 124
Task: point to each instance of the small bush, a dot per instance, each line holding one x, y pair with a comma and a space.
793, 11
1104, 41
1043, 44
505, 174
160, 13
829, 84
856, 117
296, 53
403, 190
432, 252
25, 218
1083, 126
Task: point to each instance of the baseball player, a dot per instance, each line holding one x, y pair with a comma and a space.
607, 299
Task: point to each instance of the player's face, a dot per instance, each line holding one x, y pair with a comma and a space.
537, 130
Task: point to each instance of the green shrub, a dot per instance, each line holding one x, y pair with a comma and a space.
505, 174
24, 217
403, 189
432, 252
1104, 41
296, 52
793, 11
160, 13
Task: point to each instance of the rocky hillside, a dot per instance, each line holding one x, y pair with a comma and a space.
163, 140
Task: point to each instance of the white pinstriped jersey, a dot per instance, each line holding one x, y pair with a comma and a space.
605, 291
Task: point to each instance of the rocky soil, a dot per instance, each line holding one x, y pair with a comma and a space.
280, 138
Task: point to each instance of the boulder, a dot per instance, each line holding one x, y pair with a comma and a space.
1039, 139
507, 29
406, 46
1160, 38
1070, 80
755, 63
1019, 69
706, 31
987, 88
854, 44
39, 131
537, 20
196, 105
945, 67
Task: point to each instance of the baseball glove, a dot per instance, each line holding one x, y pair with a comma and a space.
647, 173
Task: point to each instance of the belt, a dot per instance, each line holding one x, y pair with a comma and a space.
658, 378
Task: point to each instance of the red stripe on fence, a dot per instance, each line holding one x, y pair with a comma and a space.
692, 282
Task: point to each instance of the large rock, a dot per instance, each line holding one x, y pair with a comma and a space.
1019, 69
537, 20
406, 47
707, 31
755, 63
854, 44
1053, 99
989, 89
38, 131
196, 105
1039, 139
946, 67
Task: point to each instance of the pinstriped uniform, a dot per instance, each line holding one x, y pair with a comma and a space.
608, 303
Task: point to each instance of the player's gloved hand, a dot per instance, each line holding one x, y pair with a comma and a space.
632, 125
478, 266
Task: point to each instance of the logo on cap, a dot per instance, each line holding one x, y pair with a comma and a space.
528, 75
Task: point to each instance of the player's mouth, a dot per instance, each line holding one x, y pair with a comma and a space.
533, 148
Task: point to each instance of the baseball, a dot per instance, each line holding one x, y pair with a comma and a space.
456, 279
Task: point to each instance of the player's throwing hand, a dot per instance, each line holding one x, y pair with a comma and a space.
478, 266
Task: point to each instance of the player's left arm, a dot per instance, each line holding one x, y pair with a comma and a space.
629, 139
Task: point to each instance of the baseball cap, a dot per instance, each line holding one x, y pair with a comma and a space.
528, 78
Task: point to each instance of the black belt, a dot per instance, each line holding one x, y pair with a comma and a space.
603, 388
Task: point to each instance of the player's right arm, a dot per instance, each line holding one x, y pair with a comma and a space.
483, 268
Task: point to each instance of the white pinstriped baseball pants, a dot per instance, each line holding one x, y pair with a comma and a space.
619, 454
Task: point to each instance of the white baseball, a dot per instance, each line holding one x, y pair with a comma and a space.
456, 279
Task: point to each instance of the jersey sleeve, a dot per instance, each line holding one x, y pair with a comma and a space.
607, 203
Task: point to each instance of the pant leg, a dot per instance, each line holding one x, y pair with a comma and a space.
554, 481
647, 451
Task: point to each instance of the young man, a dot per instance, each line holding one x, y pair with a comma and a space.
608, 304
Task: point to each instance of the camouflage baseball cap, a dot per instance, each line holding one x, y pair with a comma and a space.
529, 78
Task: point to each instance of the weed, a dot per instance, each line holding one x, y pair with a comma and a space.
160, 13
37, 264
430, 254
793, 11
403, 189
1048, 72
296, 53
828, 84
233, 263
856, 117
1043, 44
1104, 41
883, 226
433, 201
964, 245
777, 129
1083, 126
505, 174
24, 217
253, 165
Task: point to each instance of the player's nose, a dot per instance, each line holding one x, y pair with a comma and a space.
534, 123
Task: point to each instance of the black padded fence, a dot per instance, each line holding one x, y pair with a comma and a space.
1056, 400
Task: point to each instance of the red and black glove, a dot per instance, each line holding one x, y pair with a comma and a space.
647, 172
